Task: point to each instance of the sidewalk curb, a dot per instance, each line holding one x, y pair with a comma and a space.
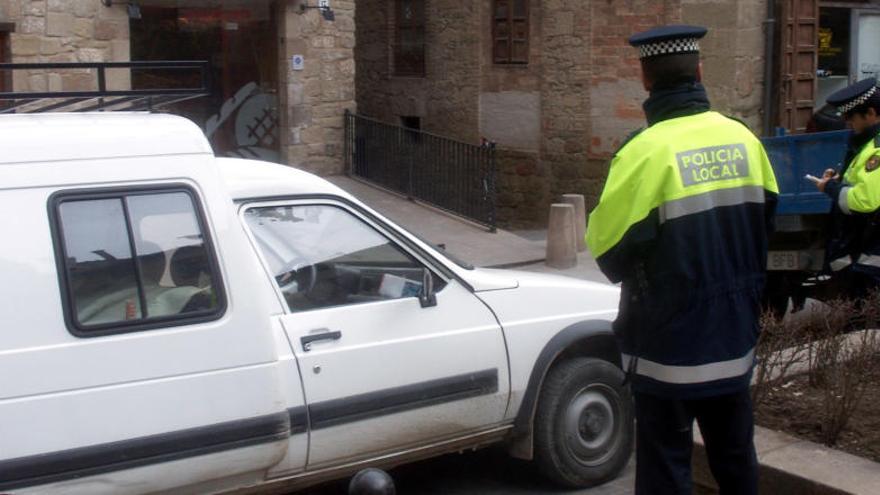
791, 466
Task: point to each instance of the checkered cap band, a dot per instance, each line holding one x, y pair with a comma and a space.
846, 107
680, 45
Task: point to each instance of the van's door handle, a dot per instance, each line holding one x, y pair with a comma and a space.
307, 340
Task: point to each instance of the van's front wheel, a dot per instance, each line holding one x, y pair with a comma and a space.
584, 423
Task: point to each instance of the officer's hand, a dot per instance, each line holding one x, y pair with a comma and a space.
827, 177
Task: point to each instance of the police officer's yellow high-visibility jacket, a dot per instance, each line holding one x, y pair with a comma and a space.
860, 190
683, 222
856, 199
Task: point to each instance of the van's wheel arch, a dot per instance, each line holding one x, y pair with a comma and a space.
583, 428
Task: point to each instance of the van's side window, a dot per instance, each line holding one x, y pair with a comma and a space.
323, 256
135, 258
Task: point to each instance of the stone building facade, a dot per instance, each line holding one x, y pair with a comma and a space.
315, 98
558, 117
307, 99
65, 31
558, 105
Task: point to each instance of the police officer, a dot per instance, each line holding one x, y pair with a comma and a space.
683, 222
855, 244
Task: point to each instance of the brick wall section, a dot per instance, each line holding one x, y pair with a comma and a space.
616, 90
66, 31
616, 87
733, 54
315, 99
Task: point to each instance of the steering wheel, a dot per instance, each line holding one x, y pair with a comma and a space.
299, 275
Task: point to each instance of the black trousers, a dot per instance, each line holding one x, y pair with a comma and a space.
664, 441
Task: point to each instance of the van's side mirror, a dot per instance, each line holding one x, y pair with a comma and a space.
427, 298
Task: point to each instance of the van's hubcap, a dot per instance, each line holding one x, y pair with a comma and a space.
591, 424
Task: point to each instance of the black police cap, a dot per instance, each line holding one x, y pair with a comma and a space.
668, 40
853, 95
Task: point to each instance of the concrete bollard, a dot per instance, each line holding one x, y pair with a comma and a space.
580, 219
561, 244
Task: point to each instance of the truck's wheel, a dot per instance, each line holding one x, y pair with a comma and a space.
584, 423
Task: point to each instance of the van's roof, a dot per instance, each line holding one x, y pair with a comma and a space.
51, 137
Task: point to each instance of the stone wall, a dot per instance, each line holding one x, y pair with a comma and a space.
511, 107
316, 97
567, 28
313, 101
732, 54
446, 99
453, 69
373, 59
523, 189
66, 31
558, 119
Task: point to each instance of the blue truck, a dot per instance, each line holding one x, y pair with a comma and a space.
797, 248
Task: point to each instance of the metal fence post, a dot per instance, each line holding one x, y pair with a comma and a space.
407, 148
493, 189
455, 176
346, 146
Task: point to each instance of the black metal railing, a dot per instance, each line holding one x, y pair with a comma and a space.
451, 175
99, 96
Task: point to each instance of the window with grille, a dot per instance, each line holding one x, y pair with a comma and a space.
409, 47
510, 32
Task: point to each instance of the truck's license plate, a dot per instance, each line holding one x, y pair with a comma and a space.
783, 260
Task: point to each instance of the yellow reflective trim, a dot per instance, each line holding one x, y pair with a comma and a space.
863, 195
690, 205
646, 173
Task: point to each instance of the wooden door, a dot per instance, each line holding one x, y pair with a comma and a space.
798, 48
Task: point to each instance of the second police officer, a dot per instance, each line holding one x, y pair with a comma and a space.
854, 248
682, 223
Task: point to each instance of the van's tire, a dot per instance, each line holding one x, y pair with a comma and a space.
584, 423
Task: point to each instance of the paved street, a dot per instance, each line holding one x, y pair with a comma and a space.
488, 471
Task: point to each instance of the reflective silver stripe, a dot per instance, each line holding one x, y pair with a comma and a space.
869, 260
842, 200
682, 375
712, 199
840, 263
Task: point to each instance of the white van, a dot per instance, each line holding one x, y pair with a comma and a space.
175, 322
